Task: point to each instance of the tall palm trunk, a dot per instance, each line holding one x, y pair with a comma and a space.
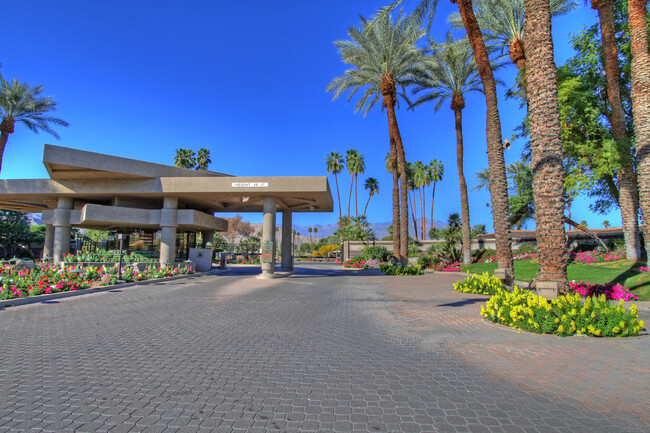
433, 196
628, 198
497, 166
641, 104
366, 208
389, 93
546, 147
356, 189
350, 196
415, 220
396, 210
458, 103
336, 179
422, 214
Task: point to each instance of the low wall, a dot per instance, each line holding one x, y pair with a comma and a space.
520, 238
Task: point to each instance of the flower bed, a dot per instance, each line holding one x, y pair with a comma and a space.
581, 257
479, 285
446, 267
110, 256
362, 264
596, 257
610, 291
564, 316
245, 261
49, 278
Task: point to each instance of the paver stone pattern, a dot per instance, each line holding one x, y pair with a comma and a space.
324, 350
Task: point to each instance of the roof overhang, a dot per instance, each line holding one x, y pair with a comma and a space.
108, 180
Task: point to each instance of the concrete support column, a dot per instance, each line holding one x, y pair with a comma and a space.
48, 244
168, 225
207, 236
268, 238
287, 241
62, 228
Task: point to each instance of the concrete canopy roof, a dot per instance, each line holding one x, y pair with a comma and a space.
96, 178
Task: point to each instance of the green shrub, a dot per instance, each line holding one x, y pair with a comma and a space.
566, 315
479, 285
400, 270
378, 253
615, 244
527, 248
425, 260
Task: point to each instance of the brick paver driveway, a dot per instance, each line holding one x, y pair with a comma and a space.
324, 350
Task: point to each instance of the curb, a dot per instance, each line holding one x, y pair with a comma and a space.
43, 298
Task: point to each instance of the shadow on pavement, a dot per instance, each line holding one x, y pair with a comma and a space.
464, 302
301, 271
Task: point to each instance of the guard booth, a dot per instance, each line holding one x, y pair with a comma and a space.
105, 192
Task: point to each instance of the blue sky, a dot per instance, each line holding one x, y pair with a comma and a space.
246, 80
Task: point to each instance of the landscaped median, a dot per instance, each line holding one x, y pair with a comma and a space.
48, 279
567, 315
591, 272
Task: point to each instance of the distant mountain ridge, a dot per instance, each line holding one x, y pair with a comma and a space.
380, 229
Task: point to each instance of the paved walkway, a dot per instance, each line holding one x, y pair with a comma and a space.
323, 350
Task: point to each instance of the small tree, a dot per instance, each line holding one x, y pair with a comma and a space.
14, 233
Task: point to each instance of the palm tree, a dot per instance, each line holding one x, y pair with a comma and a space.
185, 158
426, 182
24, 104
310, 230
372, 186
627, 182
606, 224
360, 168
641, 104
410, 181
452, 74
351, 159
437, 173
384, 58
391, 167
419, 180
335, 165
502, 23
315, 231
483, 179
546, 148
203, 159
496, 161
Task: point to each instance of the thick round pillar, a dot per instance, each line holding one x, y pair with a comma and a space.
168, 228
287, 241
268, 238
62, 228
48, 244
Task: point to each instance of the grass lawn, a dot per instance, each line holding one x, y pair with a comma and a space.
624, 272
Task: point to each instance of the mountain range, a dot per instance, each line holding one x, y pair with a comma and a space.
326, 230
380, 229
